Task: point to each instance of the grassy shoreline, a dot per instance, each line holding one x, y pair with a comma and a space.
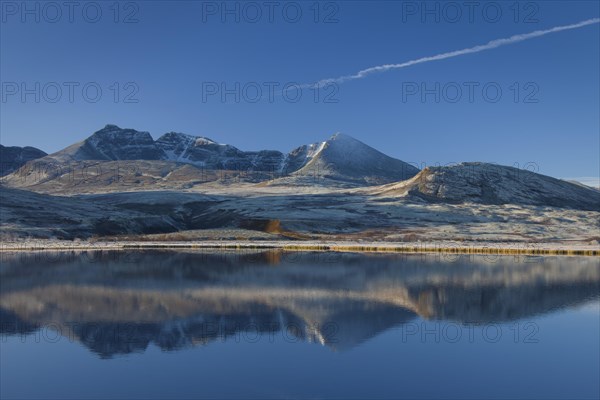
578, 249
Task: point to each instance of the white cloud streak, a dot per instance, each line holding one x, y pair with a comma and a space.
476, 49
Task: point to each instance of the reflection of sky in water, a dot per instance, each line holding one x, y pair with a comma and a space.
406, 327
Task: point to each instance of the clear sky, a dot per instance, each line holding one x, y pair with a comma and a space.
172, 60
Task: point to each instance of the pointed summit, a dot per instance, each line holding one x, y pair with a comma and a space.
346, 159
341, 137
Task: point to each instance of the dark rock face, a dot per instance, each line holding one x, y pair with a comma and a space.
13, 158
297, 158
496, 184
114, 143
207, 153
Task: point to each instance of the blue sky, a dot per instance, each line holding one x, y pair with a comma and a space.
170, 54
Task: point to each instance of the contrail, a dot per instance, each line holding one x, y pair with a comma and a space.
476, 49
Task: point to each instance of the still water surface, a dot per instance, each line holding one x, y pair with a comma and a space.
269, 325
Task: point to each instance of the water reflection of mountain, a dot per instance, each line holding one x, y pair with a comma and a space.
115, 302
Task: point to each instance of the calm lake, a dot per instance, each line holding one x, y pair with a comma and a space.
161, 324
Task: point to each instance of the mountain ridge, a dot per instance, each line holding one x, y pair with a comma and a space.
338, 155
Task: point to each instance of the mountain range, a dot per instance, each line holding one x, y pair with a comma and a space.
341, 158
123, 182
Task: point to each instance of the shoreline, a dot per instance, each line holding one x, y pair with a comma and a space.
558, 249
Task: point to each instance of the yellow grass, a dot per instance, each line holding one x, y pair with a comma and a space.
494, 248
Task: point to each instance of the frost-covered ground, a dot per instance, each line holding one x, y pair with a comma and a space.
248, 214
163, 201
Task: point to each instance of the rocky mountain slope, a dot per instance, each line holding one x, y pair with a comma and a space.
344, 159
14, 157
206, 153
493, 184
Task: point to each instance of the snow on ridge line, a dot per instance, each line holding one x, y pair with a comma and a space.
199, 140
310, 154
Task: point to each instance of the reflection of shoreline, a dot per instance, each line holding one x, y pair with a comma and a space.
443, 247
178, 299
